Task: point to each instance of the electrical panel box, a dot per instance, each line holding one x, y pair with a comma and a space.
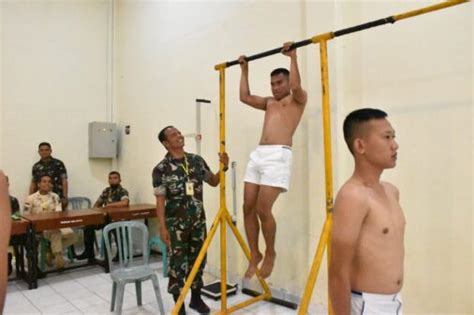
102, 140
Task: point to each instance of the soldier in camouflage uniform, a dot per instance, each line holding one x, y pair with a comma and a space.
114, 195
52, 167
178, 187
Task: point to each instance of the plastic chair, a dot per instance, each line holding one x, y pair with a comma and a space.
127, 271
43, 248
79, 203
76, 203
156, 240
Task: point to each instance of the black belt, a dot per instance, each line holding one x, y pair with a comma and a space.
356, 292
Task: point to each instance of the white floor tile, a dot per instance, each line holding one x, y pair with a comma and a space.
58, 308
88, 291
87, 301
92, 280
16, 298
63, 286
46, 301
77, 293
22, 310
17, 303
102, 308
39, 293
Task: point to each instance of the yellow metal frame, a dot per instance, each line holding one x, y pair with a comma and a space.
326, 232
223, 217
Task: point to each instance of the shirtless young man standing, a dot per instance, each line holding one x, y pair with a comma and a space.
268, 171
366, 268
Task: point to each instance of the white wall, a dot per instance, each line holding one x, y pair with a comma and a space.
166, 55
165, 58
420, 72
54, 79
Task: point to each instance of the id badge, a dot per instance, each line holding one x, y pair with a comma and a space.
189, 188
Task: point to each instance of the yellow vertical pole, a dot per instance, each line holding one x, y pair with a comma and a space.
313, 275
327, 146
222, 191
223, 266
325, 234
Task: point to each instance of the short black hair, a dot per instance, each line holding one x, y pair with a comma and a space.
40, 177
115, 173
44, 143
356, 119
162, 135
278, 71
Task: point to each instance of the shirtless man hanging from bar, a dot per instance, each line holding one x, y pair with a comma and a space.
268, 170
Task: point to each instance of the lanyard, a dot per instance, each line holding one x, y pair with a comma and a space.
185, 166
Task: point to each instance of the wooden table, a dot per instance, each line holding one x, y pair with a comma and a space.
19, 227
57, 220
64, 219
133, 212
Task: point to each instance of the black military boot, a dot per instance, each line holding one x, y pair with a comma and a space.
182, 310
197, 303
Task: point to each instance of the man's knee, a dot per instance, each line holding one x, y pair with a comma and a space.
249, 208
264, 213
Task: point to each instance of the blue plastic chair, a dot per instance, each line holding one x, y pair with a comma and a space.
156, 240
76, 203
127, 271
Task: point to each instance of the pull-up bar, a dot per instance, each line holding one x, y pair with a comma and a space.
391, 19
270, 52
223, 217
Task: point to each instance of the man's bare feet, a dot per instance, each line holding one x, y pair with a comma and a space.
253, 265
267, 265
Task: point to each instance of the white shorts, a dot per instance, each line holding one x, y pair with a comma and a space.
376, 304
270, 165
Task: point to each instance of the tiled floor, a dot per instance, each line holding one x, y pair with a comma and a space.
88, 291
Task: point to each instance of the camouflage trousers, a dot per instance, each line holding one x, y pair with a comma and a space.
187, 236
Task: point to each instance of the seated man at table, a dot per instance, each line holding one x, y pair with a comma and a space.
15, 208
43, 201
114, 195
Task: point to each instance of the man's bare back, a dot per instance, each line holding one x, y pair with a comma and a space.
378, 260
281, 119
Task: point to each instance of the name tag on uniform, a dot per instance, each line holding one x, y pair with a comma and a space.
189, 188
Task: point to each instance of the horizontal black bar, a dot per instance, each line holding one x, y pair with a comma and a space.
272, 300
364, 26
270, 52
200, 100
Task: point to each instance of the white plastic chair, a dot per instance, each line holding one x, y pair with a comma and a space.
127, 271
